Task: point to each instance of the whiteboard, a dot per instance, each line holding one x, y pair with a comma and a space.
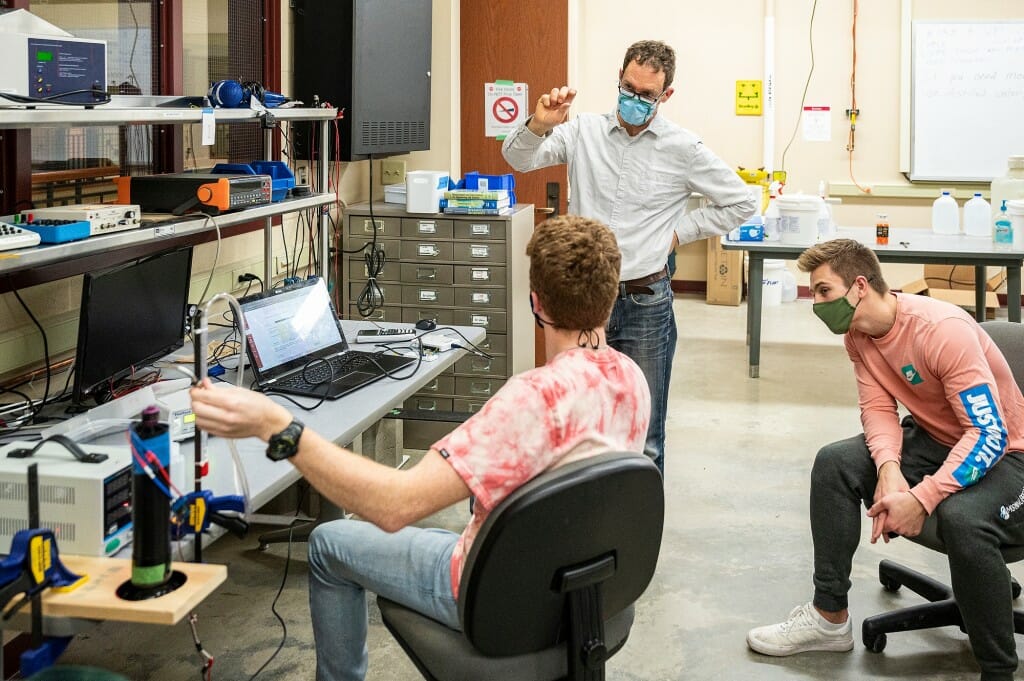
967, 99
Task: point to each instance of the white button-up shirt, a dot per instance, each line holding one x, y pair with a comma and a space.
638, 186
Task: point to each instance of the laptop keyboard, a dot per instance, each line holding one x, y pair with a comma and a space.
321, 371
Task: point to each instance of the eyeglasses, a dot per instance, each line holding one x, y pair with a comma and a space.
649, 101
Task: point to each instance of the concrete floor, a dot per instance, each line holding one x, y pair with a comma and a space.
736, 551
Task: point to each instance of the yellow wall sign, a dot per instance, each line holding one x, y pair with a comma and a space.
748, 98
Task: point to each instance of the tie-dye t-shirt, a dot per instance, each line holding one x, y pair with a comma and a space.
581, 403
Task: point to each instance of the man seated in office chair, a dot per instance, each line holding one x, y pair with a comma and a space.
587, 399
959, 456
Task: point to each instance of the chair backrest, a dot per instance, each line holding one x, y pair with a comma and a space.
611, 504
1009, 338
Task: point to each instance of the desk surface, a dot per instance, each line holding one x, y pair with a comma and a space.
905, 245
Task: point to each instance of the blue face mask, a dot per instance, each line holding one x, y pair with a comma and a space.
633, 111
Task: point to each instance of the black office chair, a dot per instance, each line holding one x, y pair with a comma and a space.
942, 610
548, 587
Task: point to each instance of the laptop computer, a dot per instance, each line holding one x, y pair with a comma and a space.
296, 345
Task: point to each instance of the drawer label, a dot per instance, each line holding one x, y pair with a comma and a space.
368, 226
481, 298
481, 229
428, 250
480, 320
481, 274
479, 251
428, 295
480, 388
426, 273
428, 228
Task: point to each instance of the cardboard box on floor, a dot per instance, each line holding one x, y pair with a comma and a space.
955, 284
725, 274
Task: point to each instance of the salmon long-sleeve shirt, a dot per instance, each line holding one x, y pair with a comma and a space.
939, 364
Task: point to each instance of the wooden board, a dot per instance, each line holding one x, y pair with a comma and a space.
96, 598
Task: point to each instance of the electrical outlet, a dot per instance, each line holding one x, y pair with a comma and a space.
280, 265
392, 172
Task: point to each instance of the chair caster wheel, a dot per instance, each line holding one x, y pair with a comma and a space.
875, 643
264, 547
1015, 589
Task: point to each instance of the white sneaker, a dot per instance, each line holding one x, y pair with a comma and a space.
801, 632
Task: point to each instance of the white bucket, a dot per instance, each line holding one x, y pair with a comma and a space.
798, 219
1015, 209
424, 190
771, 282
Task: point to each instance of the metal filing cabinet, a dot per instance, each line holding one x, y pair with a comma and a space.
463, 270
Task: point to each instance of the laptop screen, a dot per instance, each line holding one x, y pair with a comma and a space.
291, 325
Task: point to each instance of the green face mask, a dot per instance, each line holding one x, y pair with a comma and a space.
837, 314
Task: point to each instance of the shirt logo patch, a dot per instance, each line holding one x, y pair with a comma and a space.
981, 410
912, 375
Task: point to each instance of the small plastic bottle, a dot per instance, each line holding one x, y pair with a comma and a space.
771, 220
945, 215
977, 217
1002, 231
882, 229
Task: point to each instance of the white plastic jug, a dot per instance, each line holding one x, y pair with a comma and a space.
798, 219
978, 217
945, 215
771, 282
1009, 186
1015, 209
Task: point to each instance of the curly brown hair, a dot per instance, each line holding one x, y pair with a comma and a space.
574, 269
655, 54
847, 258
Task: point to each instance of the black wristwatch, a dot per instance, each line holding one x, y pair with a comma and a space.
285, 444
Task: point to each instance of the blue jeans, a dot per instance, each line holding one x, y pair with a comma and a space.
348, 558
643, 326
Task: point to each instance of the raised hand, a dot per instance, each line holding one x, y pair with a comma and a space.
552, 109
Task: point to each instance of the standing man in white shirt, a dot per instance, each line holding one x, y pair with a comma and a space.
634, 171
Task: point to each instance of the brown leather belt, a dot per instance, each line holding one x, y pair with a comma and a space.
641, 285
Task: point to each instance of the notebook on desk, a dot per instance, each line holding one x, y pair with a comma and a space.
296, 345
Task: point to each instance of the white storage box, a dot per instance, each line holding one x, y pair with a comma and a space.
424, 190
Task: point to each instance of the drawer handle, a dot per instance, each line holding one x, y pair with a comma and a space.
481, 298
428, 250
426, 406
480, 388
480, 274
482, 230
427, 228
478, 251
368, 226
426, 273
480, 320
479, 364
433, 385
427, 295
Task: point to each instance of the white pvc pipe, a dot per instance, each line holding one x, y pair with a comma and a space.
768, 89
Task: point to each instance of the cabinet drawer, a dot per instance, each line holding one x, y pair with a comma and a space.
381, 314
471, 231
440, 316
392, 247
494, 344
484, 318
428, 295
477, 388
387, 294
426, 228
427, 403
480, 297
472, 406
482, 366
427, 273
439, 385
391, 271
479, 275
360, 225
427, 251
480, 251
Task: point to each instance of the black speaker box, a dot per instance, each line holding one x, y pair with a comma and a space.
371, 60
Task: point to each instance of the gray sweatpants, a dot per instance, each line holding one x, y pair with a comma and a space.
973, 523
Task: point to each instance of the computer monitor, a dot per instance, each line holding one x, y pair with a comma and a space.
131, 315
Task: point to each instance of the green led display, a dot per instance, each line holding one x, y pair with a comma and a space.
44, 56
